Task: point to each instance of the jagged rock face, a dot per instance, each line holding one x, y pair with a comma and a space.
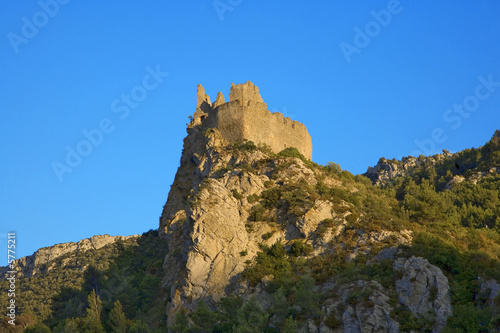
203, 222
454, 181
424, 290
474, 178
31, 265
218, 237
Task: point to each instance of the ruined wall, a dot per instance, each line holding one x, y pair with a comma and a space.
246, 93
230, 121
255, 123
245, 117
277, 131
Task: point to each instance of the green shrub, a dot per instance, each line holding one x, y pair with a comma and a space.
252, 198
249, 227
333, 321
333, 168
335, 194
246, 167
271, 197
227, 313
323, 227
299, 198
270, 261
258, 213
408, 322
203, 318
291, 152
468, 318
245, 146
299, 248
237, 195
221, 172
267, 235
352, 218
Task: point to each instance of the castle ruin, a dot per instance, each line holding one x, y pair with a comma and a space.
245, 117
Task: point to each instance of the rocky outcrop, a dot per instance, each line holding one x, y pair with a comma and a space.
489, 292
424, 290
204, 220
217, 237
386, 170
360, 307
454, 181
308, 223
31, 265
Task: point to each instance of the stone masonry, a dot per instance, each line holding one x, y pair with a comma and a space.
246, 117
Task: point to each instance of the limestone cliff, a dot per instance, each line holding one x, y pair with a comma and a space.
203, 222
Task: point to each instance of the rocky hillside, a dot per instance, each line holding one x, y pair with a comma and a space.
43, 260
53, 284
254, 241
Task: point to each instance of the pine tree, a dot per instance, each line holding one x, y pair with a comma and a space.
117, 320
93, 318
139, 326
181, 323
204, 319
252, 317
280, 306
227, 311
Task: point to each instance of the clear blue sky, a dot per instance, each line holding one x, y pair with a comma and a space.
365, 84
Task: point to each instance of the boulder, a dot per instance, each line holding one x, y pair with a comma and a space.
424, 290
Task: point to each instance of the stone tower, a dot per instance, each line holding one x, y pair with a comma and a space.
246, 117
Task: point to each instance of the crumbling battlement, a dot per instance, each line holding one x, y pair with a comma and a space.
245, 117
